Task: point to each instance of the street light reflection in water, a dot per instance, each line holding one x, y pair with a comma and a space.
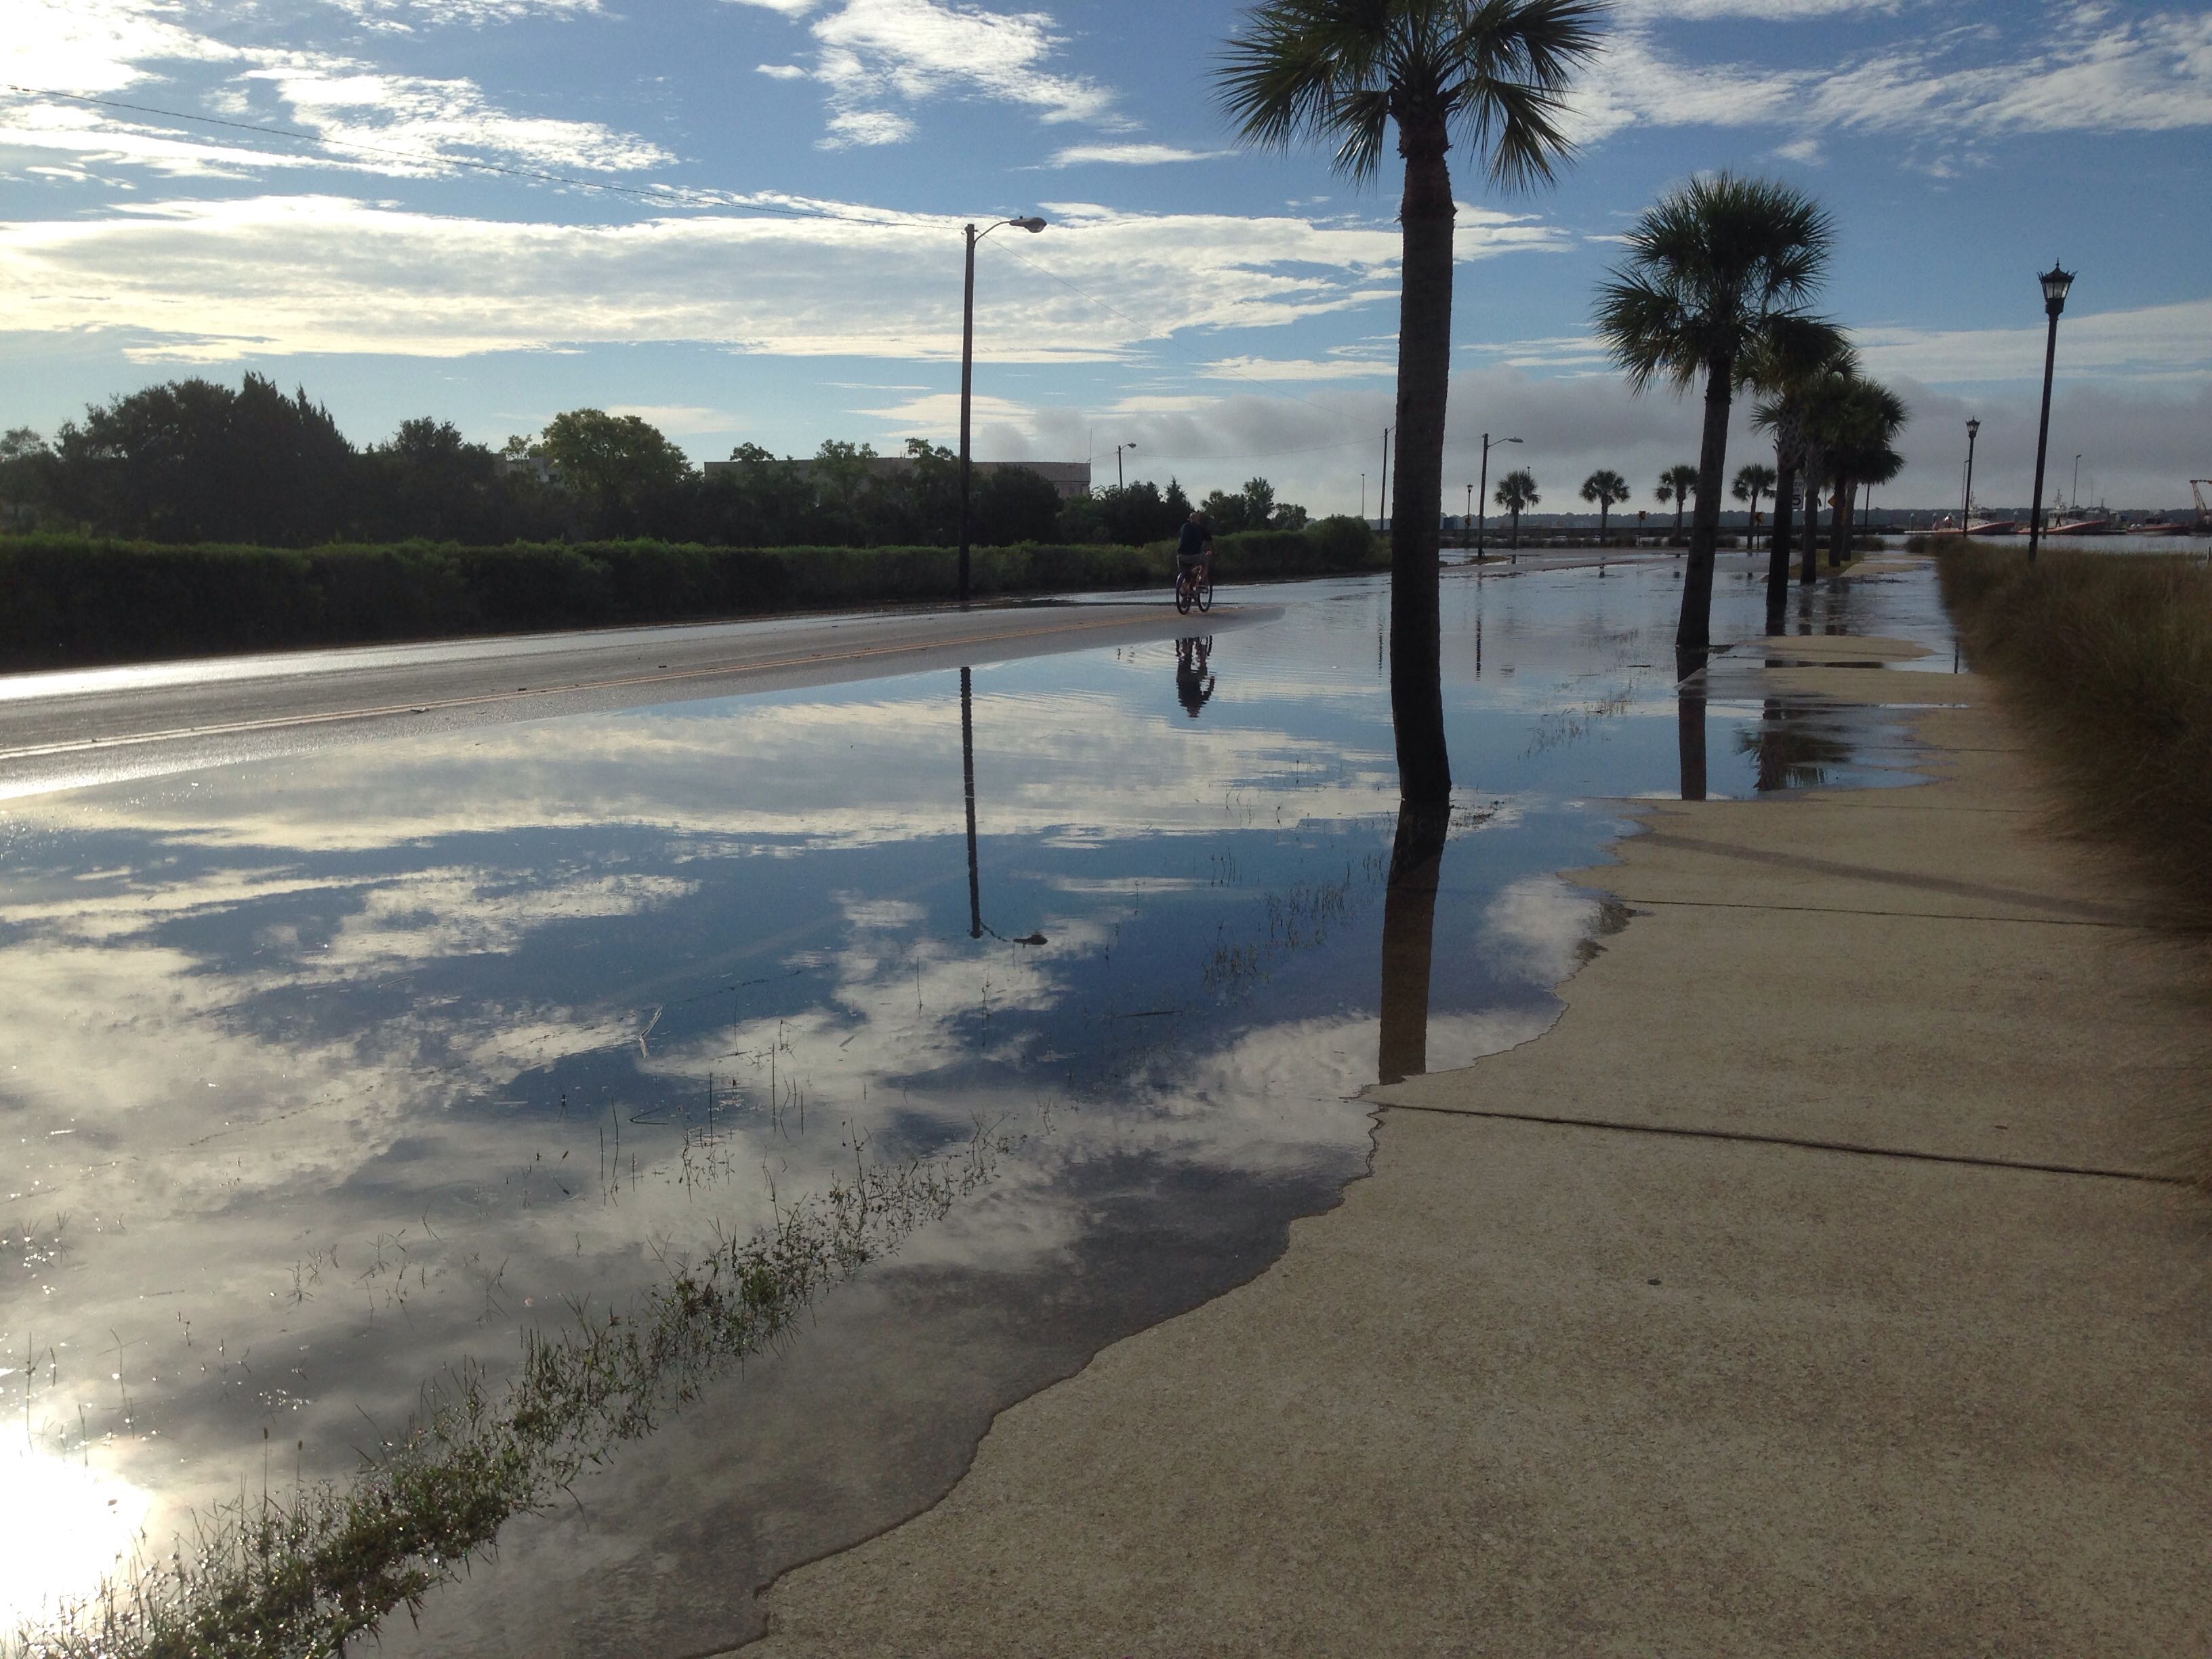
333, 1075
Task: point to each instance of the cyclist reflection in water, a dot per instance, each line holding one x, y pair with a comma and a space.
1194, 684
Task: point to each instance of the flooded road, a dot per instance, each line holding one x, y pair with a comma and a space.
333, 1075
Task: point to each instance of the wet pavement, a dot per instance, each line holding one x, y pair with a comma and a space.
330, 1073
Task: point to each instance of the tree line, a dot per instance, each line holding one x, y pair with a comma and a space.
195, 460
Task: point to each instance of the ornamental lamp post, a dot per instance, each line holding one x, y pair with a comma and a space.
1966, 507
1482, 494
968, 371
2056, 281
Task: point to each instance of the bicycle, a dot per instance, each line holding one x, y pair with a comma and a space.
1194, 586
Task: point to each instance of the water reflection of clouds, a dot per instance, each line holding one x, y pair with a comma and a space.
367, 1059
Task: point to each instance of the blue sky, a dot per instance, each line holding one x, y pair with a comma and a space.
1229, 313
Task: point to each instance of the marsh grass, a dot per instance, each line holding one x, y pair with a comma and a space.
2112, 656
2110, 659
278, 1576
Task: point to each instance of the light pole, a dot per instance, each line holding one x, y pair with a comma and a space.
1118, 448
1482, 490
1966, 507
2055, 283
1470, 514
2074, 501
1382, 500
1363, 498
968, 372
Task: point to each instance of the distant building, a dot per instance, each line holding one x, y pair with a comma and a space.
1069, 478
535, 467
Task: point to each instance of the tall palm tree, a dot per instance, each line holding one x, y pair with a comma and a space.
1717, 272
1605, 488
1675, 484
1752, 482
1495, 75
1515, 492
1868, 417
1791, 380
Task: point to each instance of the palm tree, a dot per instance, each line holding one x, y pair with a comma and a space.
1493, 73
1716, 276
1801, 384
1605, 488
1516, 491
1868, 418
1675, 484
1752, 482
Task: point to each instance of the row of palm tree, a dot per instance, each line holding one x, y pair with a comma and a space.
1715, 291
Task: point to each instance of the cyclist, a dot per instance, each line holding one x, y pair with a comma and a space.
1194, 546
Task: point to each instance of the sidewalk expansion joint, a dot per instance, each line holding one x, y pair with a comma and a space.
1856, 1149
1902, 915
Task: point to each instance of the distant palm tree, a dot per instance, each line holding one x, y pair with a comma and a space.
1801, 385
1752, 482
1516, 491
1494, 73
1605, 488
1717, 274
1675, 484
1867, 418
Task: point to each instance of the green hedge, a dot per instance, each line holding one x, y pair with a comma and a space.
67, 600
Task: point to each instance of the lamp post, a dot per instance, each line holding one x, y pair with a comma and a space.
1482, 491
2055, 282
1118, 448
1363, 498
1470, 514
2074, 500
968, 372
1966, 507
1383, 497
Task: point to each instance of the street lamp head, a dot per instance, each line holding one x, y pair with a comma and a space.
2055, 282
1973, 427
1512, 441
1032, 224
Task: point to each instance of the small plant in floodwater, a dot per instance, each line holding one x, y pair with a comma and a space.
293, 1576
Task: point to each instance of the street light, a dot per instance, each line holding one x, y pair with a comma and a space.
1482, 494
968, 371
1383, 496
1118, 448
1966, 508
2074, 501
1470, 514
2055, 282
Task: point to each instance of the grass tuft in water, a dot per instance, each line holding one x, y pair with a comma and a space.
282, 1577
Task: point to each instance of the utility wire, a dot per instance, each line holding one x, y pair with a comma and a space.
683, 196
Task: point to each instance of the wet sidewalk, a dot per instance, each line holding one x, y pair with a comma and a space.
1816, 1286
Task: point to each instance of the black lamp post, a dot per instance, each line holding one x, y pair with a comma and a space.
968, 373
2055, 283
1482, 494
1966, 507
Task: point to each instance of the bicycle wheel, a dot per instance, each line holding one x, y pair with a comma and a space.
1183, 594
1206, 590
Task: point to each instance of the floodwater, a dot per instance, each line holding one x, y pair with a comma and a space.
328, 1075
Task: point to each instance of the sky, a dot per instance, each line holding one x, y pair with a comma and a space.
740, 220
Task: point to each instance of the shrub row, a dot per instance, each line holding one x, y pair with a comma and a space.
66, 601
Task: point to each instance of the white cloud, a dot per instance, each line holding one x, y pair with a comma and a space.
782, 72
678, 419
873, 52
1129, 155
220, 281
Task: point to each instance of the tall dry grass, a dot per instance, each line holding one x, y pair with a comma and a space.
2111, 656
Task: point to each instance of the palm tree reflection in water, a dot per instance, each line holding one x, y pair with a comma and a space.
1791, 753
1409, 915
1690, 720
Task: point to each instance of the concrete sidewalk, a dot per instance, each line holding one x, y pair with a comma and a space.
1813, 1288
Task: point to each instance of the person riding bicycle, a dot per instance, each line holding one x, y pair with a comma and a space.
1194, 546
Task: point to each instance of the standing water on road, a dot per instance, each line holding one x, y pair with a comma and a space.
333, 1082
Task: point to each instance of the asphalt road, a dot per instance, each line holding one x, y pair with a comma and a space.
72, 727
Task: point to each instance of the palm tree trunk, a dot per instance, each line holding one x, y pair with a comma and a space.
1601, 509
1839, 532
1694, 632
1778, 558
1417, 701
